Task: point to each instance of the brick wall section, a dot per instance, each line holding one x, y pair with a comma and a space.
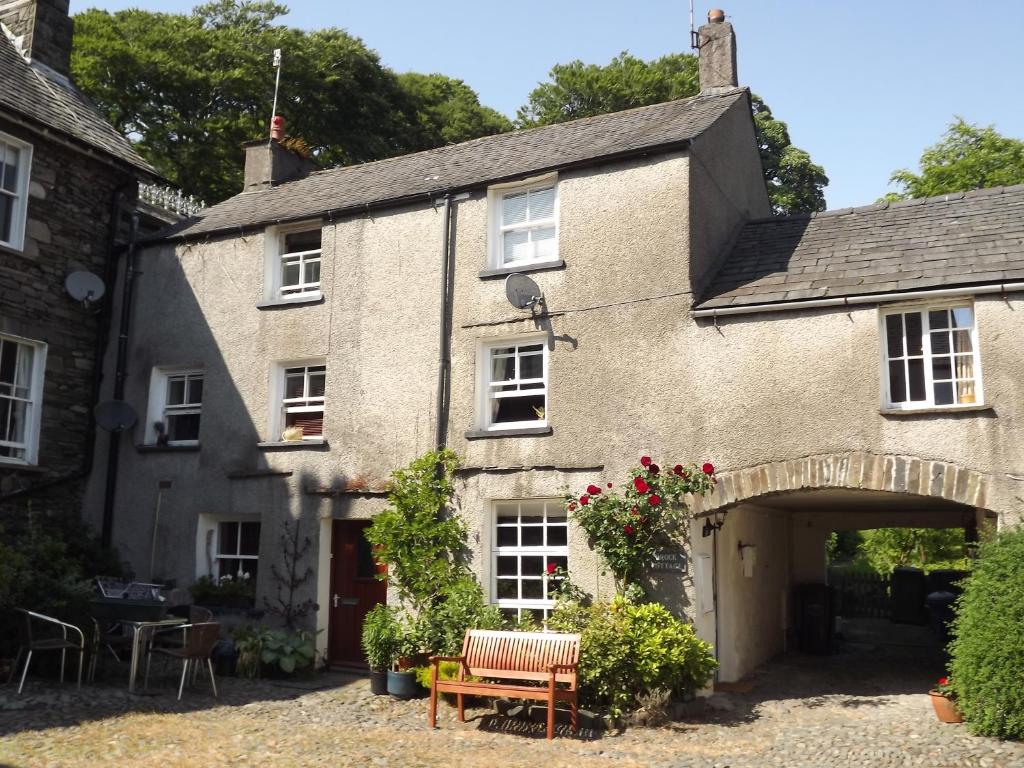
67, 230
870, 471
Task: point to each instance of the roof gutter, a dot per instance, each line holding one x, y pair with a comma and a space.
846, 301
395, 202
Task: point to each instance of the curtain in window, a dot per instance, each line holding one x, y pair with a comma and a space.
502, 369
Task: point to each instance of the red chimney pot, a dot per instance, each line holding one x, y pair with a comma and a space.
716, 15
277, 128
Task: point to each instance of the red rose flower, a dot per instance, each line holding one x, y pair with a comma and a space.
629, 530
551, 568
708, 468
943, 681
609, 485
584, 500
645, 461
678, 469
654, 499
640, 484
655, 469
593, 490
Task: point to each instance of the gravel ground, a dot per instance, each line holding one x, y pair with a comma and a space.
866, 707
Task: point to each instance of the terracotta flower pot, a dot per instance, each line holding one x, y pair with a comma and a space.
945, 708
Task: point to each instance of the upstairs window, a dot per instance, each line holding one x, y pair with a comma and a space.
15, 162
293, 263
302, 407
515, 385
524, 224
931, 358
21, 391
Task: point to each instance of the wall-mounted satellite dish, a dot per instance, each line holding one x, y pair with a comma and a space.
522, 292
84, 287
115, 415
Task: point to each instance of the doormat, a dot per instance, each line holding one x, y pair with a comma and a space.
743, 686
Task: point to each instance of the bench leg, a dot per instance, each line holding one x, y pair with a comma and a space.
432, 711
551, 713
575, 716
462, 709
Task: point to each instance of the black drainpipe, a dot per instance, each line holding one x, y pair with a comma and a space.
445, 353
114, 443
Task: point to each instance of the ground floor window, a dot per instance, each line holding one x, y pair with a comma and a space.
530, 539
238, 548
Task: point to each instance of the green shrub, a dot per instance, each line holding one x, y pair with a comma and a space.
446, 670
261, 649
631, 651
441, 627
380, 637
988, 646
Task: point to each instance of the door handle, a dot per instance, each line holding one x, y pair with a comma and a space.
345, 600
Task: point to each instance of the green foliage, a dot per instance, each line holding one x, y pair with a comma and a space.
967, 157
929, 548
628, 652
289, 651
419, 536
628, 525
441, 627
446, 670
988, 645
380, 638
189, 89
227, 592
249, 641
576, 90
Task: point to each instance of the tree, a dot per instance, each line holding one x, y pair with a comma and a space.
577, 90
967, 157
188, 89
929, 548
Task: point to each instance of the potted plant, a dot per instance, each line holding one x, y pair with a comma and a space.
381, 633
944, 702
402, 678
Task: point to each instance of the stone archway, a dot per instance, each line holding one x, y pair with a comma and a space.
854, 470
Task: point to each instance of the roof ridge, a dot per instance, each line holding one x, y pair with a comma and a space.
887, 204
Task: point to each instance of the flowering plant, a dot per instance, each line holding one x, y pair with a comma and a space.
944, 687
628, 524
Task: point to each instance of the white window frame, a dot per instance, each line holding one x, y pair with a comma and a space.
485, 385
274, 263
279, 404
34, 403
926, 356
545, 551
159, 386
496, 227
208, 542
20, 194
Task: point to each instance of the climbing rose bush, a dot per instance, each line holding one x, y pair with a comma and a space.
628, 523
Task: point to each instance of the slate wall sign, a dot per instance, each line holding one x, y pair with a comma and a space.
669, 560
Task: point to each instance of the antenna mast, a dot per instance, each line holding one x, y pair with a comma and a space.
694, 37
277, 85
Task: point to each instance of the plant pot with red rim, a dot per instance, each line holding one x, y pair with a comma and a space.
943, 702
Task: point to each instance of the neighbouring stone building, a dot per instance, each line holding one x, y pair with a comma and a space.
66, 179
295, 344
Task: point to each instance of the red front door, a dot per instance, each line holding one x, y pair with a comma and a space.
354, 591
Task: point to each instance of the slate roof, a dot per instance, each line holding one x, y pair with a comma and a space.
50, 100
472, 163
940, 242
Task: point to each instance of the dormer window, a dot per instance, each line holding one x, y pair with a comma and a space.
293, 263
524, 224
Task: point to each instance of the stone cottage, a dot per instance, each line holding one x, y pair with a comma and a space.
298, 342
66, 176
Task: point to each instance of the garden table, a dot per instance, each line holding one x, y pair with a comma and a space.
139, 630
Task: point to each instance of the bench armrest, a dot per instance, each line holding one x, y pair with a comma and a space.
439, 659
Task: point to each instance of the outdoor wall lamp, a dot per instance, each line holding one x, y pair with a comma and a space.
710, 527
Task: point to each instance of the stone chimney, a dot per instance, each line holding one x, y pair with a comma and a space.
267, 162
717, 57
42, 29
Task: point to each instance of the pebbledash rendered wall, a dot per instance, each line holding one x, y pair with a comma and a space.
67, 229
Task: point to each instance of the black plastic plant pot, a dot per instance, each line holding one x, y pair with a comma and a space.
402, 685
379, 682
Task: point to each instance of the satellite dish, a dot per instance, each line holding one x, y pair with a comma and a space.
115, 415
84, 287
522, 292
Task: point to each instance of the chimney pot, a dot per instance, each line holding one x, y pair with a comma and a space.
277, 128
717, 54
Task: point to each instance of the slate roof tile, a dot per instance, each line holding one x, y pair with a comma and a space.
461, 166
49, 99
954, 240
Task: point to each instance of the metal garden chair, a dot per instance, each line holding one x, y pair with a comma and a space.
36, 640
197, 645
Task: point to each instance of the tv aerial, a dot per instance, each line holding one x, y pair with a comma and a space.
115, 415
84, 287
522, 292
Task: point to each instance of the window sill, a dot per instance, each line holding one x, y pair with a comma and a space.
484, 434
932, 411
317, 298
292, 445
486, 274
191, 448
13, 465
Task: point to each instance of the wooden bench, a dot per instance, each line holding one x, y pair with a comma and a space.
537, 657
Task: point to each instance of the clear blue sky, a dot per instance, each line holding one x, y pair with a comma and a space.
864, 86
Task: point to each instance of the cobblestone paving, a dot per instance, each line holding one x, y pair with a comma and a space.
800, 711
